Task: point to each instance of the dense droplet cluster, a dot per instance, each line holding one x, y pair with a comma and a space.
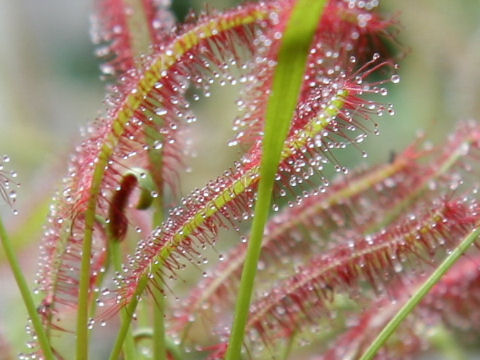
347, 36
360, 232
147, 110
115, 29
228, 200
325, 119
361, 202
446, 171
352, 201
376, 258
110, 32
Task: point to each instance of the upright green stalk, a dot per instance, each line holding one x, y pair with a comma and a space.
158, 338
129, 350
83, 288
287, 82
26, 294
130, 309
288, 346
420, 294
159, 343
155, 157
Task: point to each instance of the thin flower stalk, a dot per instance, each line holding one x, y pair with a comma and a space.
41, 335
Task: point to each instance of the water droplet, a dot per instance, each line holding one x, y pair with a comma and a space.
161, 111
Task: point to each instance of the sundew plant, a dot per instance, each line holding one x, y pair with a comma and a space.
286, 254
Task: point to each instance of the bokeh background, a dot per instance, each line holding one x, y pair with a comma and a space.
50, 86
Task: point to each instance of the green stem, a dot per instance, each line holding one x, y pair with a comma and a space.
84, 283
287, 82
249, 271
130, 309
420, 294
26, 294
156, 172
101, 276
129, 351
159, 344
288, 346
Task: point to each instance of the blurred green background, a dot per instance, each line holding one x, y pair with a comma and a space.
49, 87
